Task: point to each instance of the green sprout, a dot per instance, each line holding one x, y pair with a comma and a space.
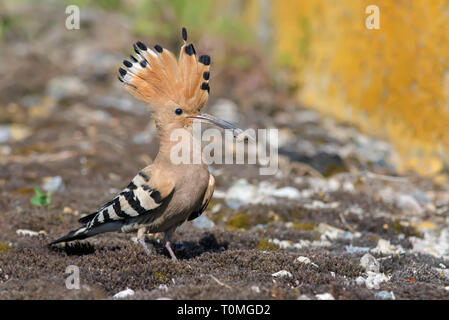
41, 199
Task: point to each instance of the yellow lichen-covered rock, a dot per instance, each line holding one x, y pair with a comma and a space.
392, 82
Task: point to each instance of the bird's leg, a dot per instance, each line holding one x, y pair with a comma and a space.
167, 237
172, 254
141, 239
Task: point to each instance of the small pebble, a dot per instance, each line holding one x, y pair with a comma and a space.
123, 294
351, 249
163, 287
5, 134
329, 232
203, 222
369, 263
216, 208
305, 260
67, 210
409, 204
53, 184
255, 289
325, 296
375, 279
287, 192
385, 295
24, 232
360, 281
258, 227
282, 273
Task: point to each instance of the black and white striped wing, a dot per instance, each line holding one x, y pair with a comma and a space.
137, 199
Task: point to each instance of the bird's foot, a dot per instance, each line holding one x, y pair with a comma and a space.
144, 245
172, 254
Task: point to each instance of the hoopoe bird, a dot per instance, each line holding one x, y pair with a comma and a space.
163, 195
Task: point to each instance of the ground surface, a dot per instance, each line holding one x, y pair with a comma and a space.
66, 121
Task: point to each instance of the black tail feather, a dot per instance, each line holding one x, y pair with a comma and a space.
71, 236
87, 218
85, 232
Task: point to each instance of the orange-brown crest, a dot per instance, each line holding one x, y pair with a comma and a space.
156, 77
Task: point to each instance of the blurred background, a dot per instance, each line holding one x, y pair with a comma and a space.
363, 145
390, 83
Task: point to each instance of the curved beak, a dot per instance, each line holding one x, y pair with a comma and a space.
204, 117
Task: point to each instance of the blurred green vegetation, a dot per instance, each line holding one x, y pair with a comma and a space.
6, 22
103, 4
40, 199
164, 18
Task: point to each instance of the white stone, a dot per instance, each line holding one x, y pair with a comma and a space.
369, 263
282, 273
329, 232
287, 192
255, 289
409, 204
316, 204
375, 279
123, 294
304, 260
348, 186
163, 287
435, 242
5, 133
385, 247
53, 184
203, 222
240, 193
325, 296
244, 193
385, 295
24, 232
360, 281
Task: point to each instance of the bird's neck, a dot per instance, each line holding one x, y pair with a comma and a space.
176, 143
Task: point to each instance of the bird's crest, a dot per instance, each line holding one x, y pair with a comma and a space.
156, 77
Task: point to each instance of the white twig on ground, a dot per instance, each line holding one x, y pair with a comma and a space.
372, 175
220, 283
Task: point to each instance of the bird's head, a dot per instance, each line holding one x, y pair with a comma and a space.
176, 89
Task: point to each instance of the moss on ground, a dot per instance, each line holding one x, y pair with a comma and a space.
239, 221
265, 245
305, 226
4, 247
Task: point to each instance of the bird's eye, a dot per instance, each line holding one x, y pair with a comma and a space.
178, 111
